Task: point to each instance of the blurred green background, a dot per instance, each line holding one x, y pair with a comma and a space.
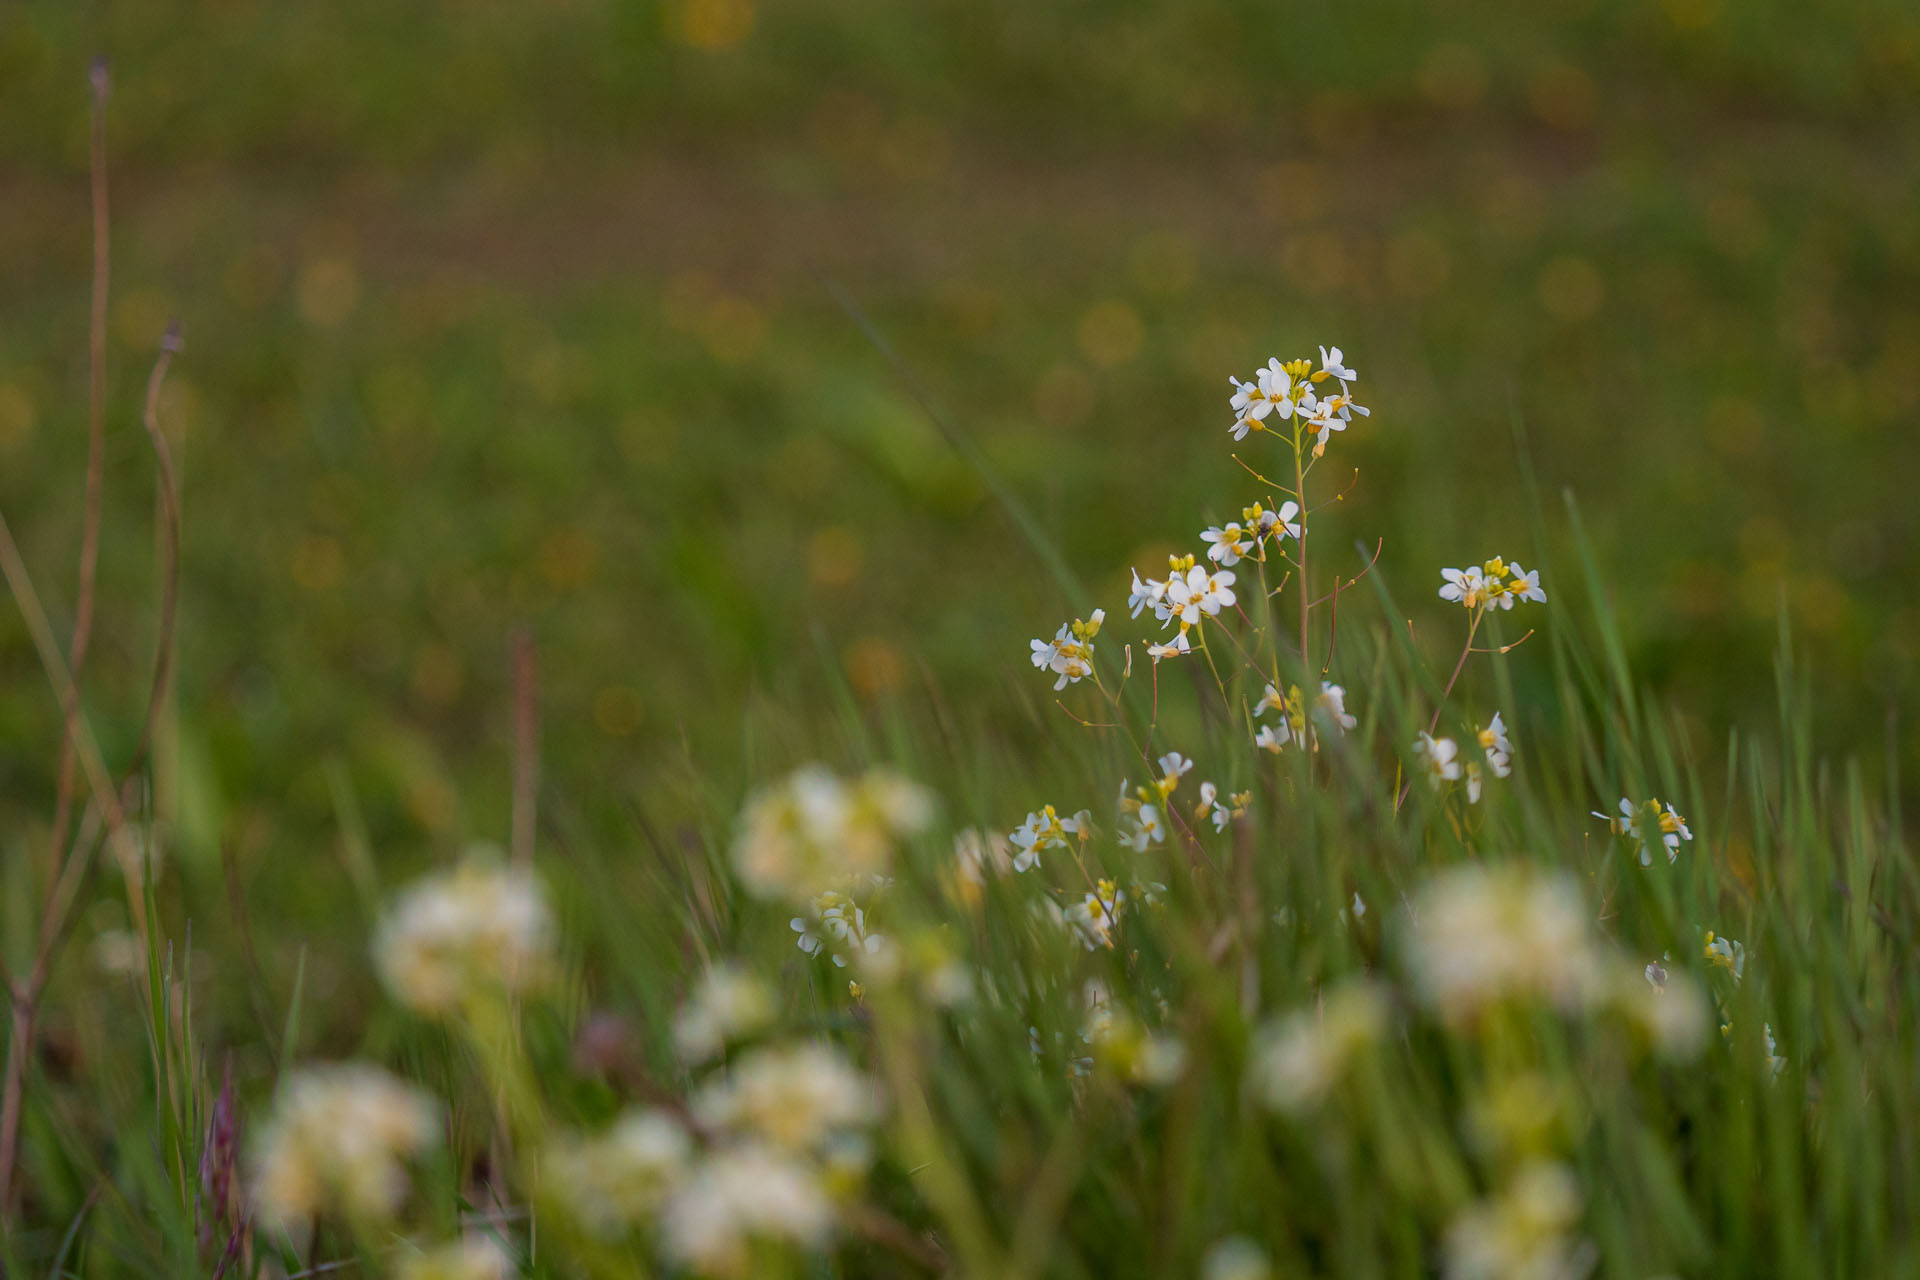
514, 313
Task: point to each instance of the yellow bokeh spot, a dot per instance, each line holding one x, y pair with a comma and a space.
733, 329
567, 558
1064, 397
140, 317
432, 802
1111, 334
875, 666
616, 710
1316, 261
328, 291
318, 562
17, 417
1293, 191
1570, 288
1691, 15
834, 557
438, 674
1734, 426
1453, 75
1563, 96
648, 438
1163, 263
716, 25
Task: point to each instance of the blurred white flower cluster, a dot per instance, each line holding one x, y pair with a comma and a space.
815, 830
482, 929
339, 1140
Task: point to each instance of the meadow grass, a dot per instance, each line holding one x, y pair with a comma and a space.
830, 503
1254, 1062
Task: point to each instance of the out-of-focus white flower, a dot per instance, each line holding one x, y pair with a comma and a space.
1095, 915
472, 1258
481, 929
1439, 759
1298, 1060
1045, 829
1672, 827
1484, 934
1220, 814
1725, 953
1497, 748
1272, 737
1523, 1234
978, 856
729, 1003
795, 1097
1775, 1063
613, 1181
840, 921
1331, 707
814, 828
1235, 1258
738, 1195
1672, 1010
1069, 654
339, 1139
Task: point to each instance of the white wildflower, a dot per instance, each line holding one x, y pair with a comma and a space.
814, 828
1298, 1060
612, 1181
735, 1196
1484, 934
1523, 1233
339, 1139
1045, 829
1236, 1258
476, 1257
795, 1097
480, 929
729, 1004
1440, 758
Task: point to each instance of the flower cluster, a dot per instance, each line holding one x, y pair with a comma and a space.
1298, 1060
476, 1257
815, 830
838, 923
610, 1181
1293, 391
729, 1004
1329, 708
1069, 654
1440, 762
1044, 829
1189, 593
1229, 543
339, 1140
480, 930
1498, 584
1660, 817
1523, 1232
